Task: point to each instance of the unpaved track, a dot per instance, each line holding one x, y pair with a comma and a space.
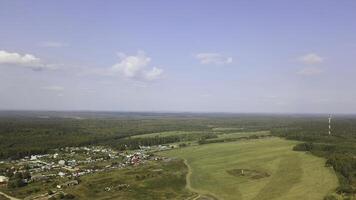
9, 197
201, 194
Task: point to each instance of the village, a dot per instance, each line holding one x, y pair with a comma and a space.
64, 167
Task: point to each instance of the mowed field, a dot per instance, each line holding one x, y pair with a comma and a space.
260, 169
165, 134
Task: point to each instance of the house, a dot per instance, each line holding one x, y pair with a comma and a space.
3, 181
72, 162
135, 159
33, 157
61, 162
61, 174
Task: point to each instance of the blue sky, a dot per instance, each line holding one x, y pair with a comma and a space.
198, 56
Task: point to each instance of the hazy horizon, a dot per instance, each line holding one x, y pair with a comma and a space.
127, 112
139, 56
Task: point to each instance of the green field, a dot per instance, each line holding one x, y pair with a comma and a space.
166, 133
271, 170
150, 181
220, 134
243, 134
3, 198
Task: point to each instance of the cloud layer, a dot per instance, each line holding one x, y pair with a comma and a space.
213, 58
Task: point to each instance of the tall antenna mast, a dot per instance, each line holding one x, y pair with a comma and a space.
330, 124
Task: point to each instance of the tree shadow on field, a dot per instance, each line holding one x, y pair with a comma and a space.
288, 174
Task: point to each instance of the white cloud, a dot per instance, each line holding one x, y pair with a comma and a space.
53, 88
15, 58
310, 71
52, 44
153, 74
311, 59
136, 67
25, 60
213, 58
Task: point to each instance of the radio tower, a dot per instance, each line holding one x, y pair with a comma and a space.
329, 124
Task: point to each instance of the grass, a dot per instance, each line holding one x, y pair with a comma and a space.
220, 134
3, 198
293, 175
227, 129
153, 180
32, 189
243, 134
165, 134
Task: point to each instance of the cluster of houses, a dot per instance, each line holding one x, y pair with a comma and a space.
135, 158
65, 165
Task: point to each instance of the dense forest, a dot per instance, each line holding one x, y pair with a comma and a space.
28, 133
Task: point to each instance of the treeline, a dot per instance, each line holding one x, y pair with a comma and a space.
135, 143
27, 136
210, 141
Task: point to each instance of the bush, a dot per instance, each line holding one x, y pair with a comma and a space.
303, 147
344, 189
183, 145
69, 196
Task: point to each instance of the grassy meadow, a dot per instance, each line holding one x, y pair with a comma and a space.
166, 133
152, 180
271, 170
3, 197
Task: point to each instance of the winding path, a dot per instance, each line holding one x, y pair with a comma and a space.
189, 186
9, 197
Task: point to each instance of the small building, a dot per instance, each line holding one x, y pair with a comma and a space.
33, 157
61, 162
61, 174
135, 159
3, 181
72, 162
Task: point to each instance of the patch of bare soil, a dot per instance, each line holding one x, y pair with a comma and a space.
249, 173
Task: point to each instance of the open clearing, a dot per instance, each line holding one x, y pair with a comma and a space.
165, 134
271, 170
150, 181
